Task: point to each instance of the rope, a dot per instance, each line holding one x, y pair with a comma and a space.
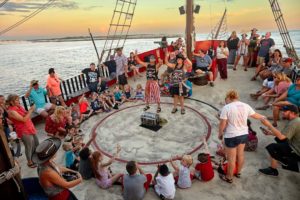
37, 11
10, 174
3, 3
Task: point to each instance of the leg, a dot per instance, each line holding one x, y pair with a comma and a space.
61, 100
28, 143
236, 61
231, 154
44, 114
175, 103
147, 183
116, 178
240, 157
275, 115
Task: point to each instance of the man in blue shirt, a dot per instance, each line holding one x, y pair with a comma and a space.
36, 95
203, 65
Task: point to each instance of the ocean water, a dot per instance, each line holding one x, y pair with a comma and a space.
21, 62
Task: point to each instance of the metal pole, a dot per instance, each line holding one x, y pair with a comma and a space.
189, 27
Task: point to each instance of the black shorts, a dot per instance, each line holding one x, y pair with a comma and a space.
235, 141
122, 79
174, 90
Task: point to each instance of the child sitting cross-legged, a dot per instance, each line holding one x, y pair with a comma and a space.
164, 183
72, 161
183, 175
119, 97
139, 93
127, 94
135, 185
85, 110
104, 178
95, 103
204, 169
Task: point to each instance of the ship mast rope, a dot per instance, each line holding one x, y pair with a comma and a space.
10, 174
28, 17
3, 3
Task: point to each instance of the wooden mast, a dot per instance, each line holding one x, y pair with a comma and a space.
220, 25
189, 31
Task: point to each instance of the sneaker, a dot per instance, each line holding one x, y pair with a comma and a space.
212, 84
116, 106
269, 171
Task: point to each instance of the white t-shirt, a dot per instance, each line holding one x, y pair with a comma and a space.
184, 179
236, 114
221, 54
165, 185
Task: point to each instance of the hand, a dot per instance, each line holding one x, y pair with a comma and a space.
126, 75
220, 137
137, 165
32, 108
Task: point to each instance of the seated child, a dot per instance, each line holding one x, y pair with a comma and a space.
118, 95
204, 169
183, 175
139, 92
164, 183
251, 144
104, 178
75, 114
70, 157
84, 107
127, 93
95, 103
103, 100
135, 185
110, 99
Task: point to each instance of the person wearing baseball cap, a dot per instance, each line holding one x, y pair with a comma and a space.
286, 150
50, 174
36, 95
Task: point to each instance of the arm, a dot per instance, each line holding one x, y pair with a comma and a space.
175, 167
274, 131
282, 97
222, 126
138, 60
54, 178
257, 116
17, 116
27, 94
167, 61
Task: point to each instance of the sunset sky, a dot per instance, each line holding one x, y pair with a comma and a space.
74, 17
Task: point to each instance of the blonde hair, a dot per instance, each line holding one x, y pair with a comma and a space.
188, 159
282, 77
11, 98
233, 34
67, 146
139, 86
59, 113
232, 95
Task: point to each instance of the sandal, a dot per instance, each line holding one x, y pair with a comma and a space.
32, 165
174, 110
158, 110
182, 111
224, 178
238, 175
234, 68
146, 108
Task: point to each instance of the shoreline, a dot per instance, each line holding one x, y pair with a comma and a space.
87, 38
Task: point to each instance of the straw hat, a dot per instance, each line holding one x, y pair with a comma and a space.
46, 150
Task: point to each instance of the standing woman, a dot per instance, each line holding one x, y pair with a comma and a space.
232, 44
53, 87
222, 54
23, 126
178, 89
233, 126
242, 52
152, 90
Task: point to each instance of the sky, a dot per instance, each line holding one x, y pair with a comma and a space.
74, 17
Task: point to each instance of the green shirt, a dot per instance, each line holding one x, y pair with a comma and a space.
292, 132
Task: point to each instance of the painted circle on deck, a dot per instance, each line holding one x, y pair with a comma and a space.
182, 134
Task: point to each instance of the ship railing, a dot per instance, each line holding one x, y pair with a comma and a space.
70, 88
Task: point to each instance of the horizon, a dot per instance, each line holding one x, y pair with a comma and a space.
72, 18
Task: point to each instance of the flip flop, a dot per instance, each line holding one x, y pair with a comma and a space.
146, 108
174, 110
224, 178
32, 165
238, 175
158, 110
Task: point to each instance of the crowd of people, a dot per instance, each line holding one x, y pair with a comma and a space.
62, 123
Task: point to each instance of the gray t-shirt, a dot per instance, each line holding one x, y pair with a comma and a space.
203, 62
134, 187
265, 46
292, 132
121, 62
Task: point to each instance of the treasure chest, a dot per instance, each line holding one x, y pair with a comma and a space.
200, 79
150, 119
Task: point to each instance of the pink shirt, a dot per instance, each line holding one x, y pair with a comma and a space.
282, 87
53, 83
22, 128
